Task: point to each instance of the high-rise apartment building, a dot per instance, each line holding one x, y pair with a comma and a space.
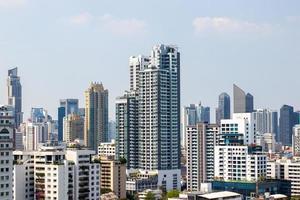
156, 82
286, 123
127, 129
223, 110
66, 107
14, 89
201, 140
159, 112
73, 128
7, 134
96, 116
243, 103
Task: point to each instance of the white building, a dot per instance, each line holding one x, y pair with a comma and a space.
34, 133
52, 172
285, 169
7, 131
241, 123
107, 149
86, 174
296, 140
239, 163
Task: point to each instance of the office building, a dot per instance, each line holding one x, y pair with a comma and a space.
14, 89
266, 121
286, 123
39, 115
243, 103
113, 176
7, 134
127, 129
73, 128
96, 116
66, 107
263, 189
223, 110
111, 130
201, 140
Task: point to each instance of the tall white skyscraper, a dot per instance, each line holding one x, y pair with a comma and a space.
156, 82
7, 132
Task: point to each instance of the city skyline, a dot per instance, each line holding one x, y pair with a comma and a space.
79, 45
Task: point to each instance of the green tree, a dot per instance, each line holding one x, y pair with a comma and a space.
173, 193
105, 190
150, 196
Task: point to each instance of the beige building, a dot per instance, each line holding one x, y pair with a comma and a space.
113, 176
73, 128
96, 116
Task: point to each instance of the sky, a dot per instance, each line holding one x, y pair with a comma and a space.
61, 46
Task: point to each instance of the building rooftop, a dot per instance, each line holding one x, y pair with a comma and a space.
216, 195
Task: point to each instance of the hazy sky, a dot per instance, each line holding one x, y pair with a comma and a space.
60, 46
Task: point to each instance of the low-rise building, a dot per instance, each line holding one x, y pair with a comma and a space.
113, 176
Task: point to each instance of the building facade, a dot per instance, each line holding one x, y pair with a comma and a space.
96, 116
73, 128
113, 176
286, 123
14, 89
201, 140
66, 107
7, 134
223, 110
242, 102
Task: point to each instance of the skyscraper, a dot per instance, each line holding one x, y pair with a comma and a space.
159, 111
67, 106
14, 89
96, 116
249, 103
223, 110
73, 128
243, 102
155, 80
266, 121
7, 133
286, 123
